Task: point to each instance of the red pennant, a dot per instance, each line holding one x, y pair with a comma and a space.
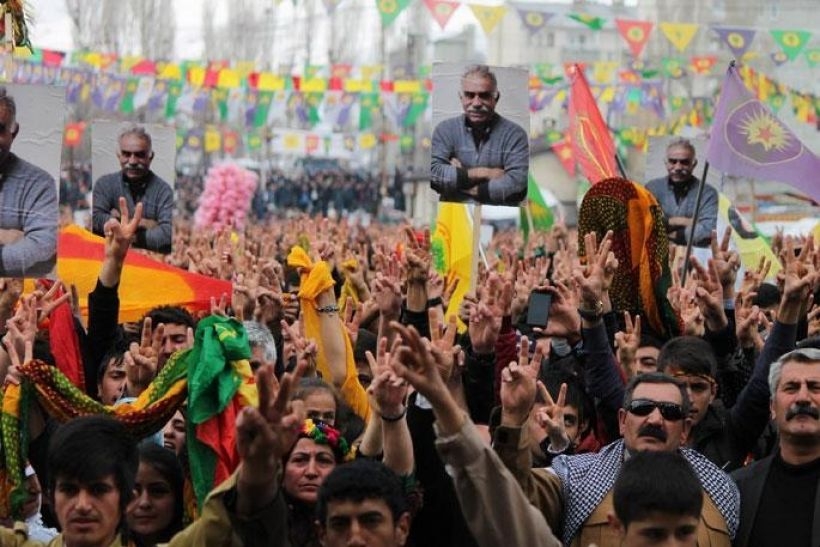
442, 10
592, 144
636, 34
73, 135
703, 64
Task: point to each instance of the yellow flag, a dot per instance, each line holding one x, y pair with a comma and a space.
196, 76
679, 34
170, 71
367, 141
603, 72
407, 86
270, 82
488, 16
228, 79
291, 141
213, 140
452, 248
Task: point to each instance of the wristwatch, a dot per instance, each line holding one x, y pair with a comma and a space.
593, 314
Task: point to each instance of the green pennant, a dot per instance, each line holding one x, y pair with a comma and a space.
649, 73
263, 101
253, 141
676, 102
672, 67
313, 101
368, 106
174, 92
590, 21
791, 42
127, 103
541, 214
813, 56
407, 143
220, 99
417, 109
552, 136
390, 9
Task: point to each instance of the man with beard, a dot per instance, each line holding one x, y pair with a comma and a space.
480, 155
137, 184
677, 194
779, 493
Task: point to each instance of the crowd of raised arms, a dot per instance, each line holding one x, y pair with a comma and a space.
376, 418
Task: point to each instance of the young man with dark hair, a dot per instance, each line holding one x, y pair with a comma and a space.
658, 500
362, 503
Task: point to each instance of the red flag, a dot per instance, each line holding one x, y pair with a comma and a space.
591, 142
636, 33
563, 150
73, 135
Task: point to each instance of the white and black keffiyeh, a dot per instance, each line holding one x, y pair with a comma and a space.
586, 479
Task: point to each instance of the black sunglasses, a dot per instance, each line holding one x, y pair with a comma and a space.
644, 407
682, 161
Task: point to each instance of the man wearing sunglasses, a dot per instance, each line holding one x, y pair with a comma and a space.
677, 194
575, 495
480, 155
136, 183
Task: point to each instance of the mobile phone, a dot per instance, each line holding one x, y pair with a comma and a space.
538, 308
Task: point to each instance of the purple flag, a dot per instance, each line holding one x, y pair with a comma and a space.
737, 38
533, 19
748, 140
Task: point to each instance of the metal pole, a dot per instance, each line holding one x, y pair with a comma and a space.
694, 223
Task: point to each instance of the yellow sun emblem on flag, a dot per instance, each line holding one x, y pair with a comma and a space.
761, 128
534, 19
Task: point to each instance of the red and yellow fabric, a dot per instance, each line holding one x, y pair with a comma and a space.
146, 283
640, 244
315, 279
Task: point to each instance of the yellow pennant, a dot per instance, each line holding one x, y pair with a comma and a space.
488, 16
679, 34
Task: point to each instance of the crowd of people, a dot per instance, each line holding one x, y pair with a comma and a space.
379, 419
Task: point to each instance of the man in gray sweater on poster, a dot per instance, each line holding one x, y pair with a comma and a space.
136, 183
28, 206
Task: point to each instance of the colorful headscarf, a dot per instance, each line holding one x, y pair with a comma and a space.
640, 245
321, 433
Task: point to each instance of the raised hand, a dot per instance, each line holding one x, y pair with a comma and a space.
264, 437
518, 385
627, 342
443, 341
550, 417
141, 360
119, 233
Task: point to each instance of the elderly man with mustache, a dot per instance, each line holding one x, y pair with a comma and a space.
480, 155
779, 493
136, 183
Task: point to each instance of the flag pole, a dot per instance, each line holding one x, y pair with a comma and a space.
694, 223
621, 167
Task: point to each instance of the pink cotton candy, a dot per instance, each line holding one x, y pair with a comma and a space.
226, 197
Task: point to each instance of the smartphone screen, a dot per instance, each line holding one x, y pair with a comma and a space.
538, 309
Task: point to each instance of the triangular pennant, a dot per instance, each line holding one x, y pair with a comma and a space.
672, 67
390, 9
813, 56
679, 34
636, 34
791, 42
533, 19
737, 39
442, 10
702, 64
488, 16
590, 21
